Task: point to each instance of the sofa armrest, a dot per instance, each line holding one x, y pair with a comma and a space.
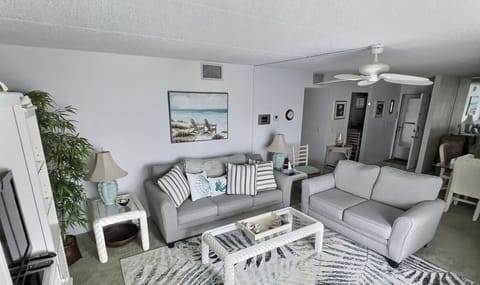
414, 229
162, 210
315, 185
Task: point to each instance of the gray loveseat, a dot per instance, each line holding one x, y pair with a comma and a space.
193, 218
391, 211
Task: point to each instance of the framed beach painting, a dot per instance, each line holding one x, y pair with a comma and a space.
198, 116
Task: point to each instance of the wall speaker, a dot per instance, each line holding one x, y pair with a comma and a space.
210, 71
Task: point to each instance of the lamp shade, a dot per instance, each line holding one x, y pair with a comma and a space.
105, 168
278, 144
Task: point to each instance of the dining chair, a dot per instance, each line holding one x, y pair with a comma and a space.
300, 161
300, 155
465, 183
445, 158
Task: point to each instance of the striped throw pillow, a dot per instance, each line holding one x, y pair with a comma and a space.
241, 179
265, 180
175, 185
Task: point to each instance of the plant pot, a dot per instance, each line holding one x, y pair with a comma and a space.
72, 252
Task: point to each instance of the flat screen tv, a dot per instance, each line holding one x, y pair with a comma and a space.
13, 233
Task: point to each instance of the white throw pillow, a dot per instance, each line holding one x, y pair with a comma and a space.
218, 185
175, 185
199, 185
241, 179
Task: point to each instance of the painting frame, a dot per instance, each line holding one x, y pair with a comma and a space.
197, 116
339, 109
472, 105
379, 109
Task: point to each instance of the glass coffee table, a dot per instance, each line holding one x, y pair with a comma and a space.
302, 226
105, 215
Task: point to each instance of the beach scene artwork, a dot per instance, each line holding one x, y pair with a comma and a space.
198, 116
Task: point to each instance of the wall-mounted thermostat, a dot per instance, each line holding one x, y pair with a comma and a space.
264, 119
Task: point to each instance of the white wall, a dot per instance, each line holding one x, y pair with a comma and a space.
319, 129
438, 119
379, 133
275, 92
123, 106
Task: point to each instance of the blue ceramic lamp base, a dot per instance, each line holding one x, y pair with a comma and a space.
108, 191
278, 159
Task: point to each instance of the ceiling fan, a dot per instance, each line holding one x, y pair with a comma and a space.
376, 71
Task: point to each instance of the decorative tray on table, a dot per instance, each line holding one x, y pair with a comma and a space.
264, 225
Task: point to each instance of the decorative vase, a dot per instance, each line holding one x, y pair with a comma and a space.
339, 140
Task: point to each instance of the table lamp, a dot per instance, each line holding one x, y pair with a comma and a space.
278, 147
105, 172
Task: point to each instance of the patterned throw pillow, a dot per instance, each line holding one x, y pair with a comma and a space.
241, 179
218, 185
265, 180
175, 185
199, 185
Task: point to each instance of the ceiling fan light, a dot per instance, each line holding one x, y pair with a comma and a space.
374, 68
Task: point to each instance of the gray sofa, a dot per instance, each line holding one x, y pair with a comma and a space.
193, 218
391, 211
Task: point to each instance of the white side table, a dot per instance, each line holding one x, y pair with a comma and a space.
108, 215
345, 150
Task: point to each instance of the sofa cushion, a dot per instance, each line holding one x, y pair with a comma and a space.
214, 166
218, 185
404, 189
333, 202
197, 212
356, 178
175, 185
264, 180
199, 185
372, 217
229, 205
266, 198
241, 179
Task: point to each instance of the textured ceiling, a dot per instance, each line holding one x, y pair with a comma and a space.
424, 37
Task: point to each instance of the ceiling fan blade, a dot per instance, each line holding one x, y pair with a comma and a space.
404, 77
408, 82
351, 77
366, 83
330, 81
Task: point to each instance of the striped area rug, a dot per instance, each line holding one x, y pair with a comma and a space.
341, 262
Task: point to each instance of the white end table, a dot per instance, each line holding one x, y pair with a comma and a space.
108, 215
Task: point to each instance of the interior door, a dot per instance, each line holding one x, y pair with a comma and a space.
408, 127
417, 132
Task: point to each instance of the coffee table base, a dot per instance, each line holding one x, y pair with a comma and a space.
231, 258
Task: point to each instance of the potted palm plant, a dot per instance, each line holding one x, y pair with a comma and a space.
65, 152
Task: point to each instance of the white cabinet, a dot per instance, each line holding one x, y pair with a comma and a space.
21, 151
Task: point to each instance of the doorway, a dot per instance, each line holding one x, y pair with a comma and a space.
410, 125
358, 107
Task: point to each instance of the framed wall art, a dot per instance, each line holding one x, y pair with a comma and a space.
339, 110
379, 107
198, 116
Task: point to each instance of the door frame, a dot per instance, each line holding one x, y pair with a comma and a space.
425, 103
